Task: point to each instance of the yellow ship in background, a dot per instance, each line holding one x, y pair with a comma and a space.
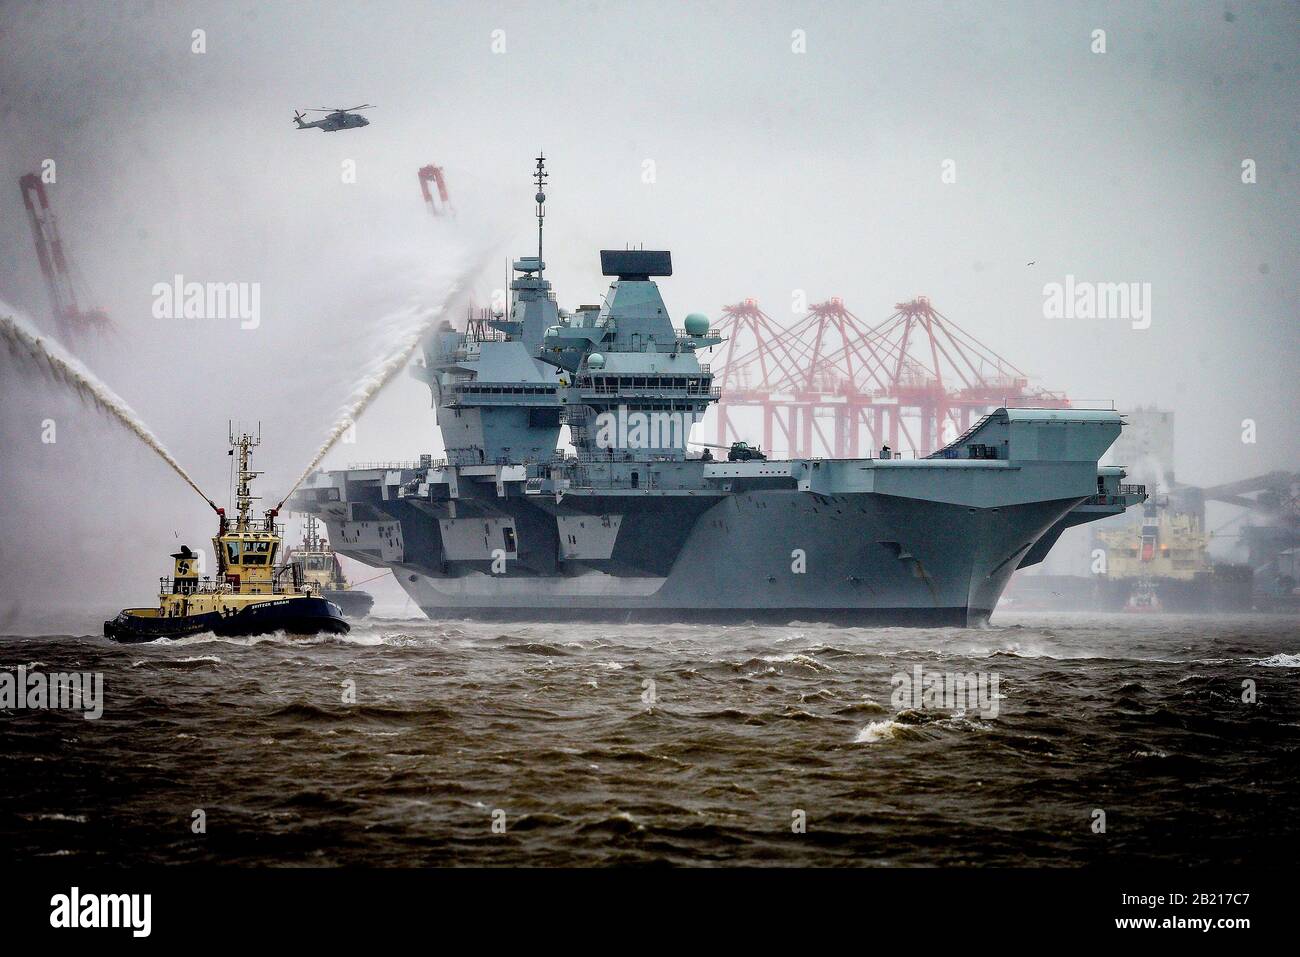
250, 594
320, 567
1170, 546
1163, 563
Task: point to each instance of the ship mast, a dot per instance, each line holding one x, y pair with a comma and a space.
310, 535
244, 497
539, 178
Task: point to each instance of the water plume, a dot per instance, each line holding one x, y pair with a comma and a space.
48, 358
415, 323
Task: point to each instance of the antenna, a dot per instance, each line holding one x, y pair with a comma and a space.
242, 444
539, 178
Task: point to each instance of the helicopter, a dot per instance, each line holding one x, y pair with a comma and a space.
337, 118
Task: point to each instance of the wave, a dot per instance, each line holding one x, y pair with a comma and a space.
312, 713
619, 823
537, 648
1279, 661
878, 731
798, 714
184, 664
71, 818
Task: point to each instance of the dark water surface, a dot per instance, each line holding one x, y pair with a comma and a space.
1138, 716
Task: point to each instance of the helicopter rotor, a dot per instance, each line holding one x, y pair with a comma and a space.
350, 109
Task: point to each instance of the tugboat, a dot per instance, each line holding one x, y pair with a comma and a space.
320, 567
250, 594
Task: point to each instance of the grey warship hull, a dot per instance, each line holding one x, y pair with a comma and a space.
739, 563
860, 541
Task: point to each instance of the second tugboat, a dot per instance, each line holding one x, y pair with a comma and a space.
250, 594
320, 567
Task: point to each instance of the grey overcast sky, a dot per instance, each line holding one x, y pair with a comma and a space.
775, 171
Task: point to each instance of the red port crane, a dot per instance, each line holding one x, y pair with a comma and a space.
433, 174
752, 357
56, 266
914, 382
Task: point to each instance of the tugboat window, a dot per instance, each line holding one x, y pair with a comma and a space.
232, 553
257, 553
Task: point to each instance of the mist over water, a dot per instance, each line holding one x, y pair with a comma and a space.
46, 357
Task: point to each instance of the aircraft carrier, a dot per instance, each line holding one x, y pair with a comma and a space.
633, 526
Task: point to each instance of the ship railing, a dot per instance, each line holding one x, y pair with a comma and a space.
879, 455
460, 458
639, 392
1056, 400
687, 341
255, 526
425, 463
188, 586
1122, 498
386, 466
614, 456
220, 586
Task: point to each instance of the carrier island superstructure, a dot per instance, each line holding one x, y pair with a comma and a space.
633, 526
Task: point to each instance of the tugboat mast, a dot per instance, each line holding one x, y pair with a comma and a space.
311, 537
244, 497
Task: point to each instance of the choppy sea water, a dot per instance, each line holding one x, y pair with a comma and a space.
689, 744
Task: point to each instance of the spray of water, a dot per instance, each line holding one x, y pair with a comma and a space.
414, 324
49, 359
